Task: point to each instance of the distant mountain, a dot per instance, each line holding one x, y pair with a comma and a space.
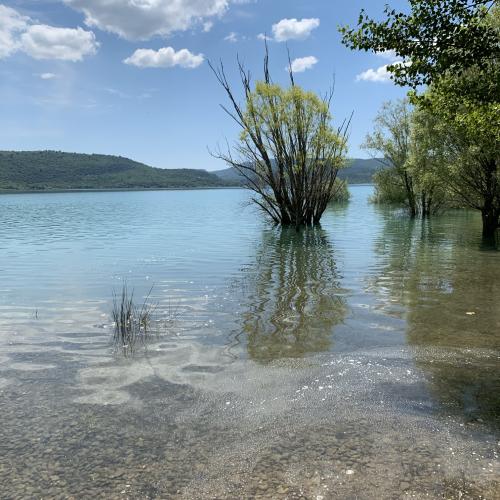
53, 170
359, 171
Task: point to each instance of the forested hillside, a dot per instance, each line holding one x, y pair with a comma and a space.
46, 170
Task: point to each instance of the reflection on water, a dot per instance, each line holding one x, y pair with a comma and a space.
292, 296
450, 298
364, 356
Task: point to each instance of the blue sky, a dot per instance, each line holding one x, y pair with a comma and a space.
130, 77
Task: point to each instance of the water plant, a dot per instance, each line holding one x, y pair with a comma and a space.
132, 323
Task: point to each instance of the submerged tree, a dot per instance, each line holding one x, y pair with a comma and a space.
470, 134
426, 161
454, 47
288, 153
411, 151
391, 140
466, 108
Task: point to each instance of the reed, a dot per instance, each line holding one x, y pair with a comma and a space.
132, 323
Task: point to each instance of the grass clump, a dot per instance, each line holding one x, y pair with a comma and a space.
132, 323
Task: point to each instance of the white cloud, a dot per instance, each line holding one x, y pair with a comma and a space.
143, 19
232, 37
292, 29
207, 26
48, 42
375, 75
262, 36
382, 74
12, 24
301, 64
47, 76
388, 54
166, 57
20, 33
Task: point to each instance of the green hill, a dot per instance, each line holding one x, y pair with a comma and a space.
359, 171
53, 170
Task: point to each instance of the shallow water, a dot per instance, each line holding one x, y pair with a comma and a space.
356, 360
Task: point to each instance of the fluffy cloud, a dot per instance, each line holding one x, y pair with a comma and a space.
12, 24
47, 76
375, 75
381, 74
143, 19
292, 29
20, 33
48, 42
301, 64
166, 57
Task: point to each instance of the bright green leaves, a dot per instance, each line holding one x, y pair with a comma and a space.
436, 37
292, 122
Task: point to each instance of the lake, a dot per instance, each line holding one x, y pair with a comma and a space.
360, 359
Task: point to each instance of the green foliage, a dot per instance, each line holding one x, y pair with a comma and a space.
303, 115
46, 170
426, 161
413, 153
469, 132
389, 189
454, 154
436, 37
391, 139
288, 151
340, 192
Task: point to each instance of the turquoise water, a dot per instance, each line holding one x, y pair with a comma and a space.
359, 359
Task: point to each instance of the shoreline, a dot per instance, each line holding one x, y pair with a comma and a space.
111, 190
118, 190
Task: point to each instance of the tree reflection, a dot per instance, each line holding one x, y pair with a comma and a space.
450, 292
292, 298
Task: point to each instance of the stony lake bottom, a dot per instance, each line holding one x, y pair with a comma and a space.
360, 359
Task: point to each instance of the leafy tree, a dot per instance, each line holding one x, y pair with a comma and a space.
427, 157
389, 190
288, 152
340, 191
471, 135
434, 38
406, 139
391, 140
454, 46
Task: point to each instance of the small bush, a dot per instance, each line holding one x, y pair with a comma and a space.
341, 192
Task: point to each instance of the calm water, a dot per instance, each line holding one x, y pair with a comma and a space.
356, 360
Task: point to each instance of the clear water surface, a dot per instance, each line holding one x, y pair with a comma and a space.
360, 359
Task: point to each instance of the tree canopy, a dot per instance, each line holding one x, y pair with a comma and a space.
435, 37
288, 151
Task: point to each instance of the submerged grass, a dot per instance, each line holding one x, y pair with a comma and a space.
136, 325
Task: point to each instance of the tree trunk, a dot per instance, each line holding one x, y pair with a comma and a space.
491, 222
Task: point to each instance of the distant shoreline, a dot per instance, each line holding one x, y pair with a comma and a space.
111, 190
118, 190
